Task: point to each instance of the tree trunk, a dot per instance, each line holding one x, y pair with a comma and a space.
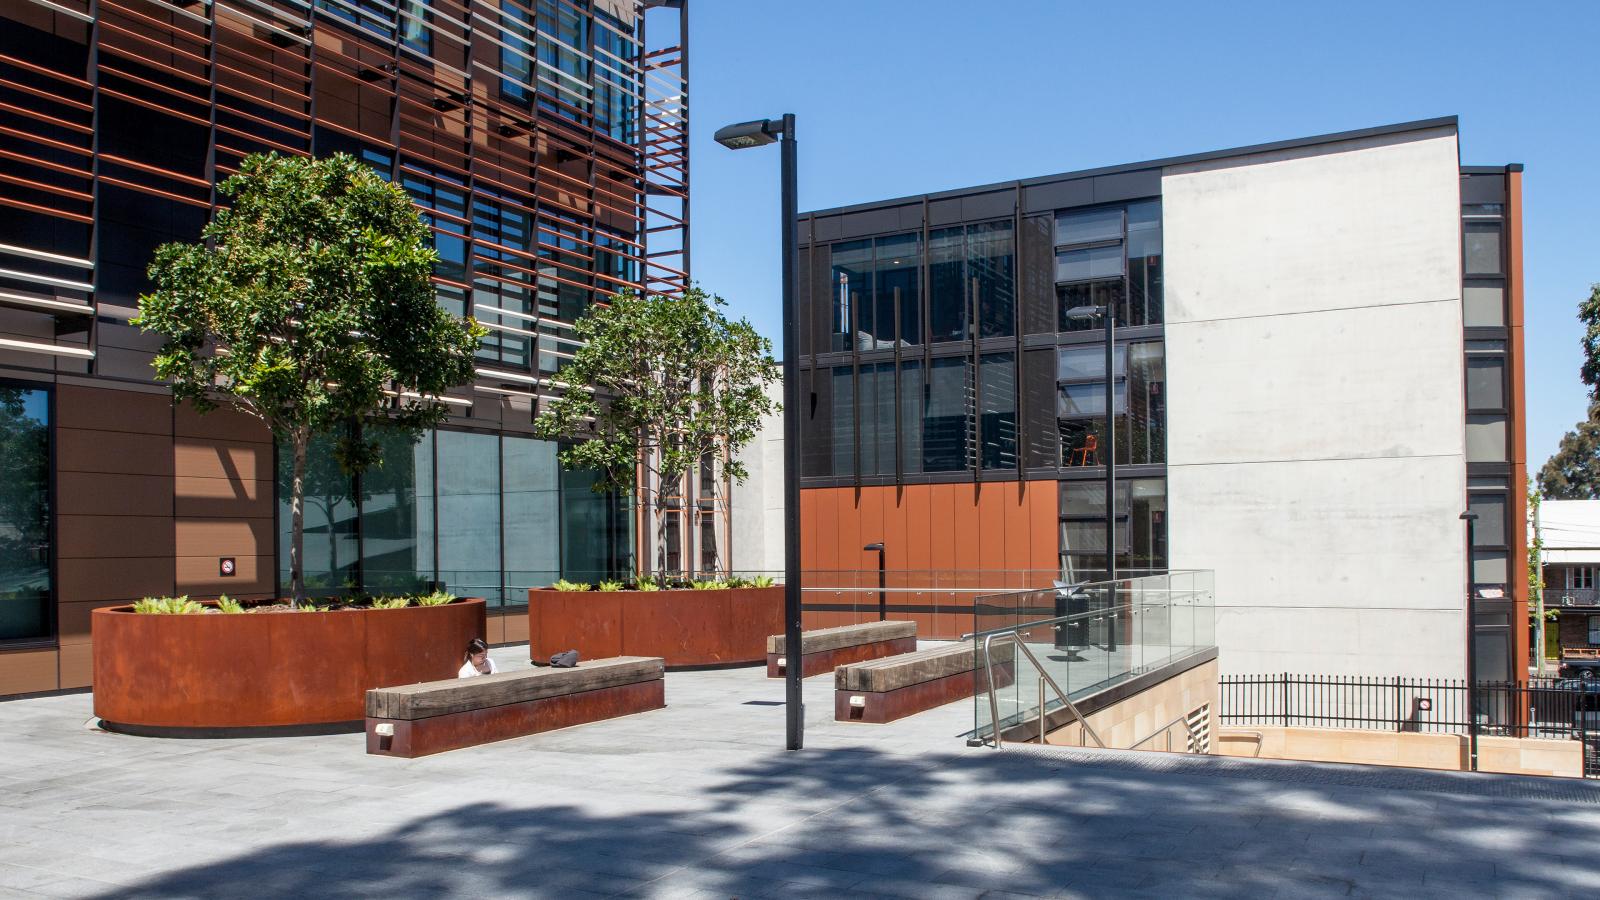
297, 522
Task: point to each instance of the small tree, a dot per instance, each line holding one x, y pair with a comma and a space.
658, 383
309, 307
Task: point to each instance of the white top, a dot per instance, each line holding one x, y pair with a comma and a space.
468, 670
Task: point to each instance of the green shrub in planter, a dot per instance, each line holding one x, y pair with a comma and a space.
565, 585
609, 586
229, 605
167, 606
391, 602
437, 598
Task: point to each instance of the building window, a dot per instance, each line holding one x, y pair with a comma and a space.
997, 411
1140, 398
1594, 631
1483, 304
416, 30
441, 509
1482, 248
876, 293
1110, 257
1140, 527
947, 416
1486, 438
1581, 579
27, 585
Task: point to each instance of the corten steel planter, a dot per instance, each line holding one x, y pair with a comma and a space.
688, 629
207, 672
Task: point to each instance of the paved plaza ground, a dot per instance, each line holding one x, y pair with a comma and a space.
699, 800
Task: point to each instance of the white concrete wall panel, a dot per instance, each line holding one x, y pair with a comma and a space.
757, 504
1316, 441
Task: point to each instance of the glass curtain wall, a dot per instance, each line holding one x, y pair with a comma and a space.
27, 588
1140, 416
1140, 525
487, 515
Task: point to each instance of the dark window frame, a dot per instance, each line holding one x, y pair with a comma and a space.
52, 636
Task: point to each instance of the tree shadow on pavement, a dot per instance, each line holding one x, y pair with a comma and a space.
863, 823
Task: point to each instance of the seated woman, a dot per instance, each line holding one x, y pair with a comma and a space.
478, 661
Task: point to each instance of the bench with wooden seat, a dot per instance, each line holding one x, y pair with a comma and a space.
823, 649
434, 716
882, 690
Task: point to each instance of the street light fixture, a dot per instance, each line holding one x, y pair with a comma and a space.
739, 137
1108, 316
1471, 518
883, 603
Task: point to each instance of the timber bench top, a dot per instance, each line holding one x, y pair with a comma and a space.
453, 695
906, 669
824, 639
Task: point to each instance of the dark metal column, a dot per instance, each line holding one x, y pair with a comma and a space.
794, 707
1111, 475
1471, 518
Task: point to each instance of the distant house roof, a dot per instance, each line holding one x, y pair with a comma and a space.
1571, 531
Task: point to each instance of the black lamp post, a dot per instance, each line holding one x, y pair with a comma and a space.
1471, 518
739, 137
1108, 316
883, 603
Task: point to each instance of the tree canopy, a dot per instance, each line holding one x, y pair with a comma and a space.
308, 305
1573, 472
659, 382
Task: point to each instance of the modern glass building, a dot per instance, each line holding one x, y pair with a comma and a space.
543, 141
1316, 370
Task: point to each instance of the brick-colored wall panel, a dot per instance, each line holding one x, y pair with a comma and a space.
221, 424
113, 410
125, 452
82, 580
219, 498
113, 537
224, 537
76, 665
27, 671
97, 494
197, 576
72, 620
231, 460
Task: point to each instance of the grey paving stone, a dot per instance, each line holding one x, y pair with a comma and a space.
699, 800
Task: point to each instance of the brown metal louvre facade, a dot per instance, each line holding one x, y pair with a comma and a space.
545, 142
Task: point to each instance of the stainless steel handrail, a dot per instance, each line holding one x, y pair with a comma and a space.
1167, 730
1044, 678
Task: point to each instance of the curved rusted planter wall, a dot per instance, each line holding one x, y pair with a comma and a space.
686, 628
268, 669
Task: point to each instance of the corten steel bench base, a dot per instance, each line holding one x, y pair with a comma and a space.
883, 690
828, 660
825, 649
880, 707
433, 717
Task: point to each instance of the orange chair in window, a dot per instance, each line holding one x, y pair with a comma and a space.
1090, 445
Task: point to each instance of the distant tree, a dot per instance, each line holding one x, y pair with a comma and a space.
1573, 473
1589, 315
659, 383
309, 306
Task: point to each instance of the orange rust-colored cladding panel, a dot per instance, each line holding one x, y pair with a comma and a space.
269, 669
935, 536
726, 627
1516, 360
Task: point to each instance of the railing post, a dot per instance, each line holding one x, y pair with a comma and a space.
1397, 719
1285, 691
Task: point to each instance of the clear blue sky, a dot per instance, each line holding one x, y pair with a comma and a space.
897, 97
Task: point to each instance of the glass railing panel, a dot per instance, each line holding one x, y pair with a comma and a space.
1087, 637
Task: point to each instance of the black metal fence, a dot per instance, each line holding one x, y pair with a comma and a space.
1555, 709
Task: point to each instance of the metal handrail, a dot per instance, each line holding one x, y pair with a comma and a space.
1167, 730
1044, 678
